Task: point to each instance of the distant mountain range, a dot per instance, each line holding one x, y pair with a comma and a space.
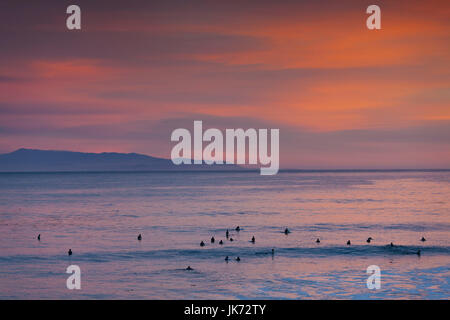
32, 160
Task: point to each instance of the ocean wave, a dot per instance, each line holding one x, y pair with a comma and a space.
213, 253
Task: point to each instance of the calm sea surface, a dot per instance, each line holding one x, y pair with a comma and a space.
99, 215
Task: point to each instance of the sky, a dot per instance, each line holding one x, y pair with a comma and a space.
343, 96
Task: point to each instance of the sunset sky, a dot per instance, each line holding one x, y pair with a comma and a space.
342, 96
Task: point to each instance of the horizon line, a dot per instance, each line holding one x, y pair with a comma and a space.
228, 171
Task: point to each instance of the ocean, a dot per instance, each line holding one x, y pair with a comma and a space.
99, 216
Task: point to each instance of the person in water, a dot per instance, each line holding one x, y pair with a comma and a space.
226, 258
369, 239
227, 234
318, 240
238, 259
349, 243
220, 242
139, 237
39, 237
253, 239
69, 252
213, 240
189, 268
392, 244
418, 253
238, 229
202, 244
231, 239
423, 239
286, 231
